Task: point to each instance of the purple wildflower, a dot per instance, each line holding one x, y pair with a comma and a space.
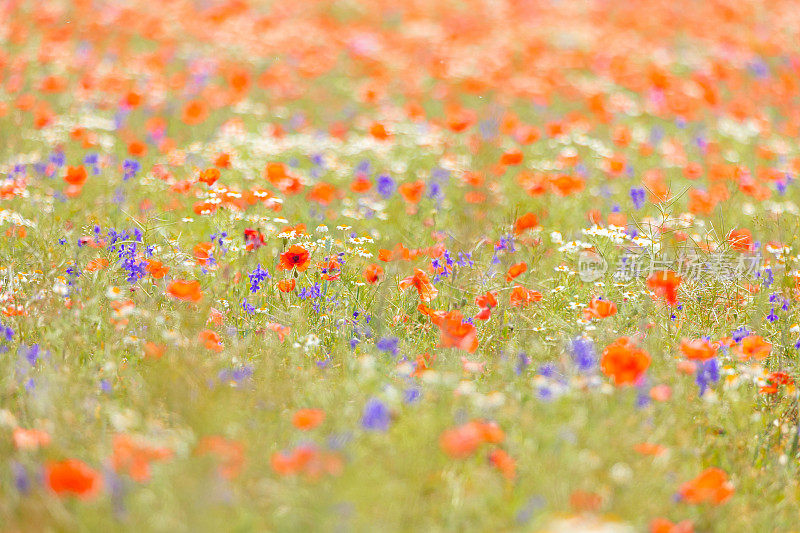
385, 185
257, 276
707, 373
388, 344
638, 196
583, 354
376, 416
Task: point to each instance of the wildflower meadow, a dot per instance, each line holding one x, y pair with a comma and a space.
371, 265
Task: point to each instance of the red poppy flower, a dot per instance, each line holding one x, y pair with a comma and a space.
521, 296
211, 340
307, 419
754, 347
412, 192
711, 486
665, 284
229, 453
516, 270
663, 525
741, 239
73, 477
504, 463
253, 239
30, 439
194, 112
525, 222
156, 268
135, 457
373, 273
566, 184
295, 257
286, 285
598, 308
511, 158
487, 301
188, 291
624, 362
209, 176
422, 283
323, 193
698, 349
76, 176
464, 440
455, 332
